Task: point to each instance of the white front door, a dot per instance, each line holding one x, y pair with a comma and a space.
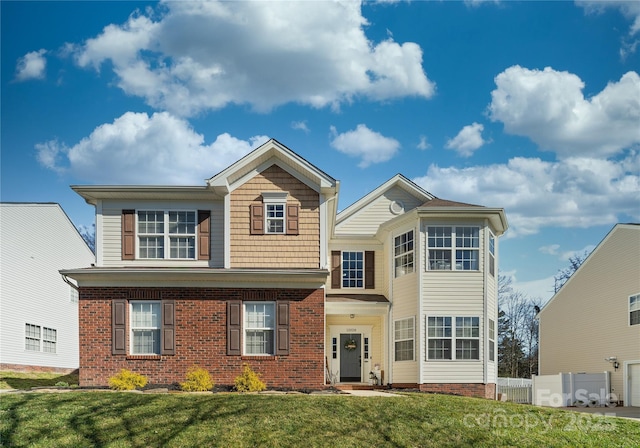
634, 384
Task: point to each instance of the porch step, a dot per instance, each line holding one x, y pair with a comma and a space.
358, 386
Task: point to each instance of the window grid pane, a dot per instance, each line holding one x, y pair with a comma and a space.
151, 247
634, 310
259, 332
467, 260
352, 270
404, 254
146, 341
151, 222
182, 247
467, 349
182, 223
275, 218
467, 237
439, 349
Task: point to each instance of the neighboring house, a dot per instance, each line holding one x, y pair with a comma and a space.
258, 267
592, 324
38, 310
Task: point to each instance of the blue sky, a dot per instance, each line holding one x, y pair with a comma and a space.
530, 106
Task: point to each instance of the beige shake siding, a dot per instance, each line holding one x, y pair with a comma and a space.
588, 319
275, 251
110, 220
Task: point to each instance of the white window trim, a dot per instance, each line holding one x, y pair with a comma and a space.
342, 269
492, 340
637, 308
491, 246
166, 235
275, 198
453, 265
246, 327
404, 269
412, 338
453, 338
41, 338
132, 328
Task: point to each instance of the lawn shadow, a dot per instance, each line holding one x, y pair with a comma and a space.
27, 383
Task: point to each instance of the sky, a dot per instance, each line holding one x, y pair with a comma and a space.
529, 106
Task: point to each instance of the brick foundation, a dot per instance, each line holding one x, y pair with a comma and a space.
201, 339
465, 389
43, 369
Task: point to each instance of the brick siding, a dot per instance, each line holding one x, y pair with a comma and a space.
201, 338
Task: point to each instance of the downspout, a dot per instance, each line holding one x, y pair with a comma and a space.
66, 280
485, 332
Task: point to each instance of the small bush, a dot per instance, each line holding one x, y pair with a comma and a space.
127, 380
198, 380
62, 384
249, 381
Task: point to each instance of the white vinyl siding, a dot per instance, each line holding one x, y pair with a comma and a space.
111, 242
405, 306
37, 252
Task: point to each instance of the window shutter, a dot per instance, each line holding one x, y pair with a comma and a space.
336, 269
292, 219
119, 327
168, 327
282, 328
257, 219
234, 327
369, 269
128, 234
204, 234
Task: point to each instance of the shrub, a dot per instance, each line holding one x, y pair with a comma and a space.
127, 380
198, 380
249, 381
62, 384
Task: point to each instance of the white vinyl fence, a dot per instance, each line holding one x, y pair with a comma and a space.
573, 389
516, 390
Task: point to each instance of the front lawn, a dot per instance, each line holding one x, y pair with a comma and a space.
19, 380
236, 420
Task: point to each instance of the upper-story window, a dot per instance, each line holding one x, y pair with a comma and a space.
159, 230
634, 310
453, 248
492, 254
352, 269
275, 218
403, 254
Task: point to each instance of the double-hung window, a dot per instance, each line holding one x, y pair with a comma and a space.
352, 269
444, 333
492, 254
453, 248
634, 310
259, 328
404, 336
403, 254
145, 328
40, 339
159, 230
275, 218
492, 340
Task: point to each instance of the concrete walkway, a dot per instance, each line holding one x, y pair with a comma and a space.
371, 393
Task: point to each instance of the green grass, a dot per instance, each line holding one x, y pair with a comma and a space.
85, 419
18, 380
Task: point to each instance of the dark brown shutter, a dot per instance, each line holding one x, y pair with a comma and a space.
282, 328
292, 219
204, 234
369, 269
168, 327
257, 219
336, 268
119, 327
234, 327
128, 234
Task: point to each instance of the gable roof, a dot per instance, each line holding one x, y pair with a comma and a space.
396, 181
437, 202
612, 232
270, 153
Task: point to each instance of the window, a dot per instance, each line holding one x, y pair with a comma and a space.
40, 339
444, 243
259, 328
403, 254
73, 295
634, 310
492, 340
275, 218
403, 339
444, 333
352, 269
145, 328
492, 254
158, 230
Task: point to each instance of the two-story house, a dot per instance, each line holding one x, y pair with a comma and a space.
257, 267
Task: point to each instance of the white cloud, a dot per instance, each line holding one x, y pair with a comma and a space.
552, 249
300, 126
630, 9
31, 66
581, 253
207, 55
140, 149
370, 146
468, 140
423, 144
576, 192
549, 107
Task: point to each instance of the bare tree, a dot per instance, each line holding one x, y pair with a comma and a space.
565, 274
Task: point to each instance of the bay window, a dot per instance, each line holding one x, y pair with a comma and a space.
444, 333
453, 248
